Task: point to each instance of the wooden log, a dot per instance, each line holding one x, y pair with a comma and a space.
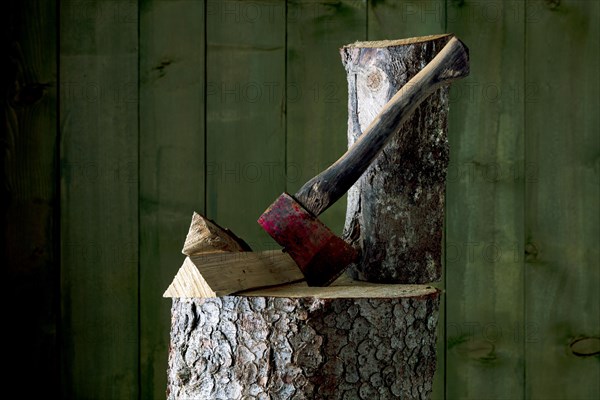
218, 264
396, 209
300, 342
220, 273
205, 235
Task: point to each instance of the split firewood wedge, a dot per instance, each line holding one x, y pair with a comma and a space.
217, 264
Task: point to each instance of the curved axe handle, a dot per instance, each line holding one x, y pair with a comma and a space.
451, 63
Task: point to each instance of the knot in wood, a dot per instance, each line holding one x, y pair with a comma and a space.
531, 252
586, 347
552, 4
374, 80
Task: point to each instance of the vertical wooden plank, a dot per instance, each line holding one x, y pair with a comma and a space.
562, 220
392, 19
485, 201
171, 164
29, 196
317, 108
99, 195
245, 113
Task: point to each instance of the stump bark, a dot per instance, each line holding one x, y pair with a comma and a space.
396, 209
358, 342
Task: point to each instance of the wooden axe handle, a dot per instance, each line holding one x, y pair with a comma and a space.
451, 63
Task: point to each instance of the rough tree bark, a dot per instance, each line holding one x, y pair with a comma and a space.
396, 209
267, 347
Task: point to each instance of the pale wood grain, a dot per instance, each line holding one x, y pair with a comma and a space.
222, 273
206, 236
217, 264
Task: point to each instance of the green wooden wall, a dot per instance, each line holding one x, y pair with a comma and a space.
122, 117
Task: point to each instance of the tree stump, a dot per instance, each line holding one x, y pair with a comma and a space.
342, 342
395, 211
351, 340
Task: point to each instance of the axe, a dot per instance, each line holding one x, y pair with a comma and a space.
292, 220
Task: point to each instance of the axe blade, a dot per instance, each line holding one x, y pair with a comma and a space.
319, 253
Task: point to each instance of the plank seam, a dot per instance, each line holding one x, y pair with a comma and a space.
367, 3
139, 219
205, 110
285, 101
57, 213
524, 288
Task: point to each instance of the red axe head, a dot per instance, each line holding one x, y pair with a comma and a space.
320, 254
